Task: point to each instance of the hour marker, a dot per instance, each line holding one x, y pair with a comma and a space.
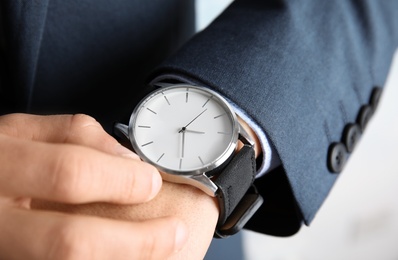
180, 163
151, 111
186, 97
200, 159
147, 144
144, 126
166, 98
223, 133
219, 116
160, 157
207, 101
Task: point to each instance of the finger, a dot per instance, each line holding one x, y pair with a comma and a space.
48, 235
73, 174
74, 129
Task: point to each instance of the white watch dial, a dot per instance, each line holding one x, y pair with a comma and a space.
184, 129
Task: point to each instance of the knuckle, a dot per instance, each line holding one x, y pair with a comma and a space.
138, 184
128, 190
156, 246
81, 127
68, 242
148, 247
78, 121
66, 174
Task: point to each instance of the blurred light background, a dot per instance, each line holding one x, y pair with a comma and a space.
359, 219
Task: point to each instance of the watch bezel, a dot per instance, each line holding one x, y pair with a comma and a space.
207, 168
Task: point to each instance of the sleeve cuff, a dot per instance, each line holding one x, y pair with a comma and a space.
270, 159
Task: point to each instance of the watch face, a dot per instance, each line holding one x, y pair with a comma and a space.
184, 129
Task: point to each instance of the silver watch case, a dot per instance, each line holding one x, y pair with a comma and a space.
198, 178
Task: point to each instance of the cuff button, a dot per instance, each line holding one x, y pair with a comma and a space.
375, 97
351, 135
337, 157
365, 113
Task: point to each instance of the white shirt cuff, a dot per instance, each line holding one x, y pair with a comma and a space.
270, 158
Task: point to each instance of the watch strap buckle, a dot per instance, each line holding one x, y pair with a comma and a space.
245, 209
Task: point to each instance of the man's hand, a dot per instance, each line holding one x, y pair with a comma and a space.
70, 159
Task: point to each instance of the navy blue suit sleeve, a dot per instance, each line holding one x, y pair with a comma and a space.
302, 70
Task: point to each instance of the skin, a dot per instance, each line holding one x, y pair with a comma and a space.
195, 208
100, 213
73, 161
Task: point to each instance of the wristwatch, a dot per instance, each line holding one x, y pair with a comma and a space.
191, 134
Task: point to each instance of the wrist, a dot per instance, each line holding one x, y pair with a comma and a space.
253, 136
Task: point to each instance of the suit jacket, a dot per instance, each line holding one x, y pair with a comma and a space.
310, 73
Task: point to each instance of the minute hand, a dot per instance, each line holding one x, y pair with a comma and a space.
183, 129
193, 131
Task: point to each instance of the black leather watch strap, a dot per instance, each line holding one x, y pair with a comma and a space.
238, 198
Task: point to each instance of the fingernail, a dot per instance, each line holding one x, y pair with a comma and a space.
123, 151
156, 184
180, 237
